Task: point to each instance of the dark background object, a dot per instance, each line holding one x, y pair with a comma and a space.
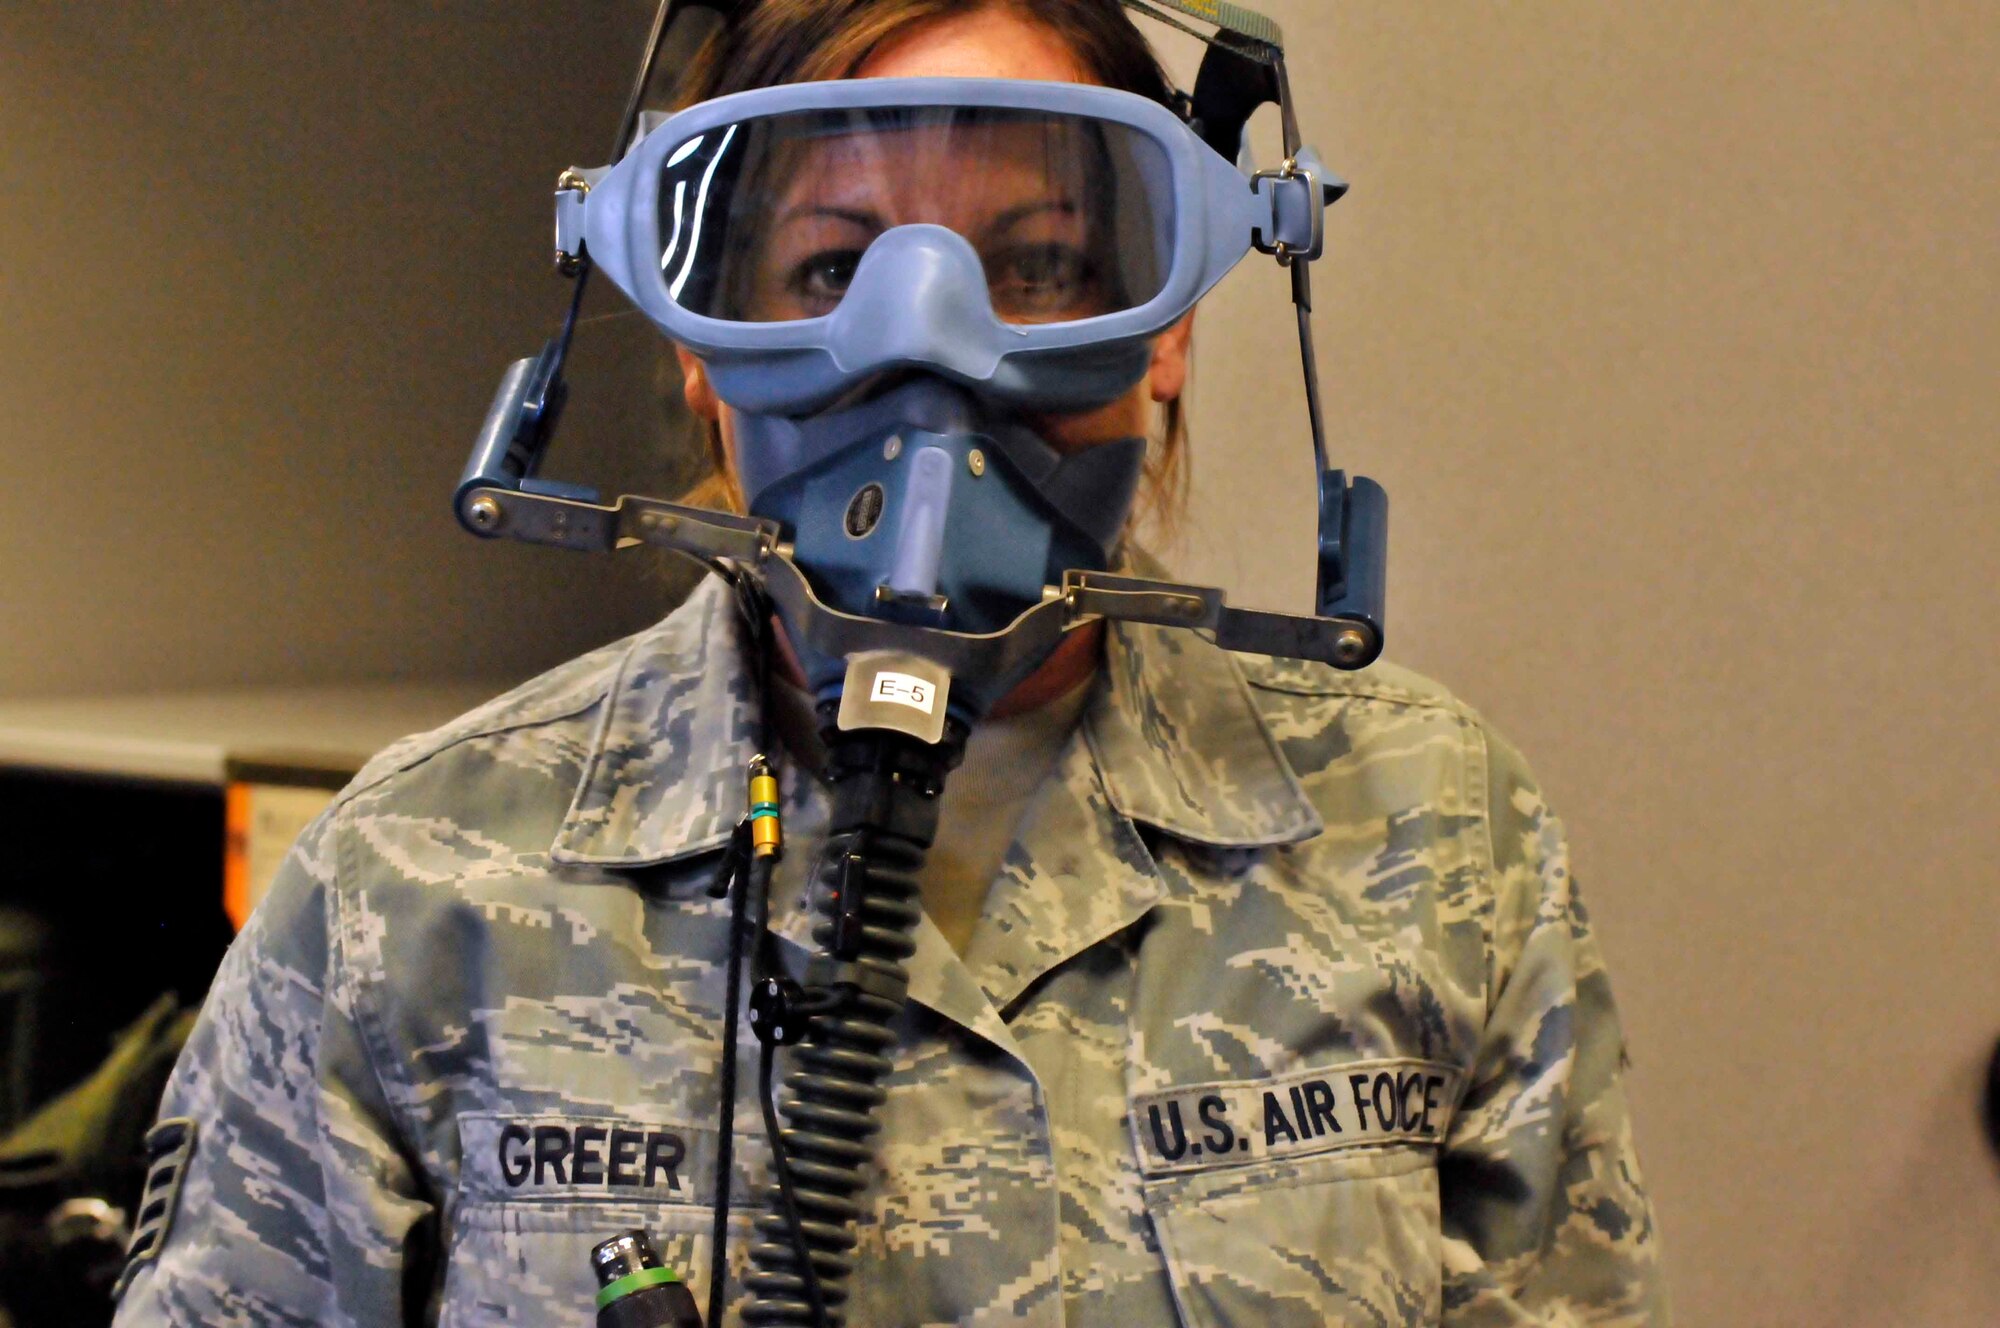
119, 884
110, 896
1992, 1103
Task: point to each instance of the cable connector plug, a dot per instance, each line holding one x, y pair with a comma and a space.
767, 836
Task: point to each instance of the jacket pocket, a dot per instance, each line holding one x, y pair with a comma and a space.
1342, 1238
537, 1191
528, 1261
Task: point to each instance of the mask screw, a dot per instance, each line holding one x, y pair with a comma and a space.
485, 512
892, 449
1349, 647
976, 460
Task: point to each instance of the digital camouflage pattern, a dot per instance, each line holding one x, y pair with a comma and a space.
1283, 1010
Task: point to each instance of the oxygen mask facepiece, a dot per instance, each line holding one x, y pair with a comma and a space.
931, 506
927, 506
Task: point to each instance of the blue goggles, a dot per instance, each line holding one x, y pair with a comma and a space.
1025, 239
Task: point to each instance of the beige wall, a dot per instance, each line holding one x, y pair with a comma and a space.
1669, 328
261, 267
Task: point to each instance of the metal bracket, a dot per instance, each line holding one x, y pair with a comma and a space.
572, 189
491, 510
496, 508
1299, 192
1131, 599
1346, 641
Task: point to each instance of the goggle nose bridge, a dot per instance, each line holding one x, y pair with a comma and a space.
918, 299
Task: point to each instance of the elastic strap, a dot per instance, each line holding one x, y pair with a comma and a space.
1230, 18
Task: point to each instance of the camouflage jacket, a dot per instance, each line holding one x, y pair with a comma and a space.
1283, 1010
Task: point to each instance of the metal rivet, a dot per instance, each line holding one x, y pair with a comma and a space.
1349, 647
892, 449
485, 512
976, 459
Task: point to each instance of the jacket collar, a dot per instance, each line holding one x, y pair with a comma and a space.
1183, 747
1173, 730
667, 771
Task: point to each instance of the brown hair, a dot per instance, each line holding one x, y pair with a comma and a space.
800, 41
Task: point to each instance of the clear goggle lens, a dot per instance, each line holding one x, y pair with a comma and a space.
766, 220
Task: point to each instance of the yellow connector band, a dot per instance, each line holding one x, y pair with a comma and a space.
765, 835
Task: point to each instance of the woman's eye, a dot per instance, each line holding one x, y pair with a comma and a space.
1040, 279
825, 276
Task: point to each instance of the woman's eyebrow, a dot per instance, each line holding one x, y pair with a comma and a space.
854, 216
1014, 216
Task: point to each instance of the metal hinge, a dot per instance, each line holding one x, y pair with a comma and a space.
572, 188
1299, 192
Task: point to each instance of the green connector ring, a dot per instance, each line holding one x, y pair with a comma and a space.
631, 1282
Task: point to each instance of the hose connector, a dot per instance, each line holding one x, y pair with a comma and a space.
766, 835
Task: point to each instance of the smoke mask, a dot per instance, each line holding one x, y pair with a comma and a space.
887, 282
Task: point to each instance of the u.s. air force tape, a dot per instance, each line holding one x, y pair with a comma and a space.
1295, 1115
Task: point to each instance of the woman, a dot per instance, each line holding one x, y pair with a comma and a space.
1275, 1006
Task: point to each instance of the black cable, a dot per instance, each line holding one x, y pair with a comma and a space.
582, 280
755, 604
781, 1167
742, 876
581, 272
662, 19
1301, 272
725, 1159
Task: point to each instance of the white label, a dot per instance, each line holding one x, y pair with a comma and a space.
905, 690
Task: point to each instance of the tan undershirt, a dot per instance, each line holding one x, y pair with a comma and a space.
1006, 761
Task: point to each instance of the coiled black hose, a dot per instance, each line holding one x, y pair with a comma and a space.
865, 888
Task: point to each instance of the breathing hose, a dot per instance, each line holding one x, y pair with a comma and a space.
884, 789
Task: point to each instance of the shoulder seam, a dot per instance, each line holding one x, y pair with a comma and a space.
368, 1033
1479, 768
1372, 691
1393, 695
1354, 685
445, 741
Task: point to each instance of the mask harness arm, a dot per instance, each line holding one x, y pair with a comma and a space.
1243, 70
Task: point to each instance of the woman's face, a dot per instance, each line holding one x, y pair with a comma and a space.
1031, 225
1019, 190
